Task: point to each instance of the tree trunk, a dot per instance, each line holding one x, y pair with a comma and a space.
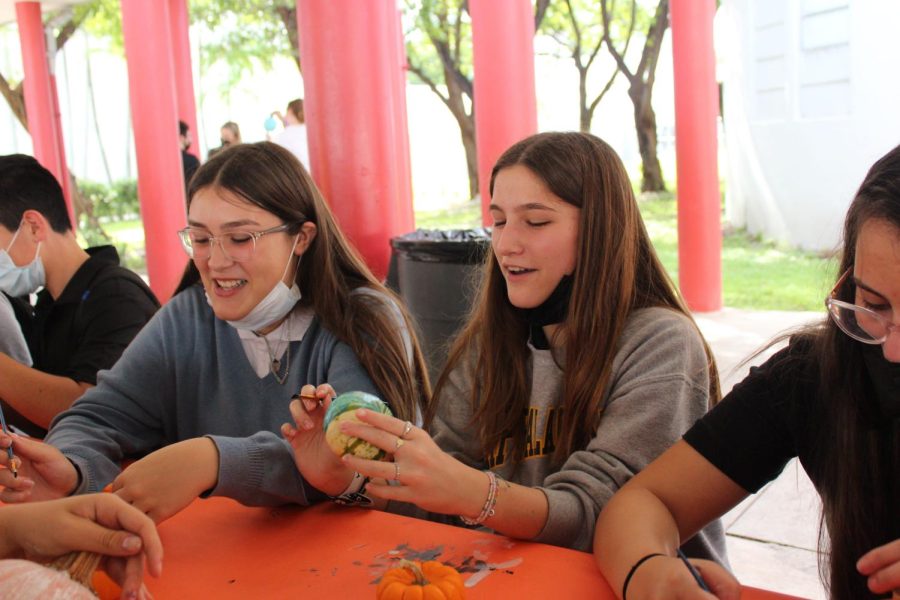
15, 98
584, 114
466, 121
645, 126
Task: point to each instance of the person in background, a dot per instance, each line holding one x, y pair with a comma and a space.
831, 398
578, 366
229, 135
88, 307
101, 523
189, 162
199, 396
293, 137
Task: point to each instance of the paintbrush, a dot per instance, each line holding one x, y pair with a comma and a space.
13, 461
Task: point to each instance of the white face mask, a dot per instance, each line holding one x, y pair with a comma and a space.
21, 281
277, 303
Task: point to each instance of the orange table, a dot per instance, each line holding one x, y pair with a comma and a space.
217, 548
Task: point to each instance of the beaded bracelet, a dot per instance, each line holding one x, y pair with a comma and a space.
355, 494
487, 511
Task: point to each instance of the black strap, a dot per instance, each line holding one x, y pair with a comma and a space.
633, 569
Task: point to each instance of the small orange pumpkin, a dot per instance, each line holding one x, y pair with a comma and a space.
430, 580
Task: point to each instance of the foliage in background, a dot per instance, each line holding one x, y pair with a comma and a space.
640, 81
246, 35
118, 202
577, 27
439, 53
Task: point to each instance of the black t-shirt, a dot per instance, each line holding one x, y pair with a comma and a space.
87, 328
765, 421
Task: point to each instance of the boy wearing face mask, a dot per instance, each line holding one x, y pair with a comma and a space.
88, 308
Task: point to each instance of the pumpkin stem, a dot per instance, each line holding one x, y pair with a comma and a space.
416, 571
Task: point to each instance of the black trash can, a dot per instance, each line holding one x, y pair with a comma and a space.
437, 273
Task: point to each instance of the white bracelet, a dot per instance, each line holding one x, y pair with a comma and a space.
487, 511
355, 494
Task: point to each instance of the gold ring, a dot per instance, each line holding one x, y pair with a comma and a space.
406, 429
396, 472
398, 443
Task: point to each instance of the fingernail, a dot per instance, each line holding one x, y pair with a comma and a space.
131, 595
361, 412
132, 542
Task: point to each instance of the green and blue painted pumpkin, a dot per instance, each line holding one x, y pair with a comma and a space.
343, 408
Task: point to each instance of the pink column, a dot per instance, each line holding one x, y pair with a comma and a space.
179, 26
505, 105
696, 109
40, 103
355, 127
401, 133
61, 153
151, 87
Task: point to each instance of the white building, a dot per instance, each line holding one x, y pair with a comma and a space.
811, 97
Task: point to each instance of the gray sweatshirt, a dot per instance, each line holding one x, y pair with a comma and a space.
186, 375
659, 387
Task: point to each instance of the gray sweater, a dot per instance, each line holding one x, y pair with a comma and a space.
186, 375
659, 387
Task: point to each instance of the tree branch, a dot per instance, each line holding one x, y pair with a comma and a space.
420, 73
576, 51
620, 60
653, 44
540, 9
16, 100
288, 17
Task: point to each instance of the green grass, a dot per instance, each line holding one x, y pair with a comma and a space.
756, 274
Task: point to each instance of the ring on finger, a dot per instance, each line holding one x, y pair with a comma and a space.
398, 443
406, 429
397, 472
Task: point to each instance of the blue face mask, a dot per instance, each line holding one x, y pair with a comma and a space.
21, 281
277, 303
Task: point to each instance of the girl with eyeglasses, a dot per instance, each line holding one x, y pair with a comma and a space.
579, 363
199, 397
831, 398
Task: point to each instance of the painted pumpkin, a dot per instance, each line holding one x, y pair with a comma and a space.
26, 580
343, 408
430, 580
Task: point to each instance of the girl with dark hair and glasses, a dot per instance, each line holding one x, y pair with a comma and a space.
201, 394
831, 398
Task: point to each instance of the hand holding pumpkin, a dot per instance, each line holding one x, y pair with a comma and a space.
166, 481
44, 473
98, 523
315, 461
427, 476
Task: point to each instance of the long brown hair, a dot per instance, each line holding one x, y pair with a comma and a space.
270, 177
859, 451
613, 248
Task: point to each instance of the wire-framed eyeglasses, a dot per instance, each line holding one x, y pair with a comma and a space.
238, 245
862, 324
